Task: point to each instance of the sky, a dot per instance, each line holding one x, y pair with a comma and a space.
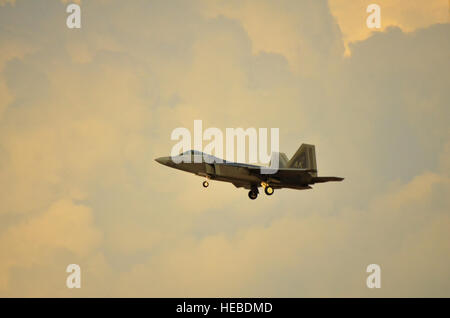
84, 112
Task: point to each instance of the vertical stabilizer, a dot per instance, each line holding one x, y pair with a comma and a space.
304, 158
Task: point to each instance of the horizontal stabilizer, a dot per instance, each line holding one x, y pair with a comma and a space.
325, 179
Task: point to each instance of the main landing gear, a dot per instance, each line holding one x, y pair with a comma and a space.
253, 193
268, 190
205, 183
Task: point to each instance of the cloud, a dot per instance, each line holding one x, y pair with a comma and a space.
4, 2
64, 226
284, 28
300, 256
407, 15
85, 112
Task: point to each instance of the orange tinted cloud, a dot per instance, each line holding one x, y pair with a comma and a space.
64, 226
85, 113
409, 15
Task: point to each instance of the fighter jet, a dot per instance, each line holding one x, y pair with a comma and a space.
300, 172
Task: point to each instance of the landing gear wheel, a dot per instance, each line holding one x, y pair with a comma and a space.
252, 194
268, 190
205, 184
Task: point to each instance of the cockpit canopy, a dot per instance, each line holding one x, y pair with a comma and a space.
191, 152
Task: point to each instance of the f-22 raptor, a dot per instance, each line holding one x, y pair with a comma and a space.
300, 172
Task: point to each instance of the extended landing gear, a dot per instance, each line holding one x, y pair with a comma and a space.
205, 184
252, 194
268, 190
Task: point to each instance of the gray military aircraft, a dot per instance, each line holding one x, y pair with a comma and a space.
298, 173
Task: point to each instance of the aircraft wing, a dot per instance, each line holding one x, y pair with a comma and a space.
293, 173
283, 170
326, 179
283, 177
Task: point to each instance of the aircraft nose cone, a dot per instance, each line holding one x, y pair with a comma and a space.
162, 160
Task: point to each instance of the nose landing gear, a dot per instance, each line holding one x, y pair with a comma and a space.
205, 183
